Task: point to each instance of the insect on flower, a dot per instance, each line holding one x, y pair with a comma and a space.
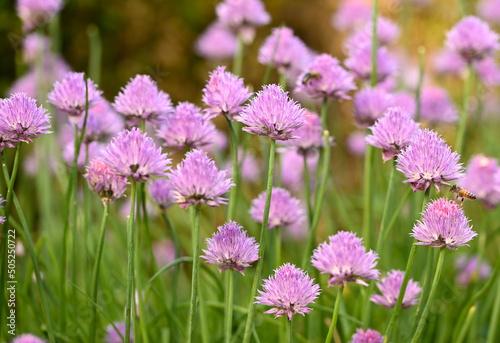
312, 75
460, 193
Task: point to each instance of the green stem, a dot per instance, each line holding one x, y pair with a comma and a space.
418, 103
426, 289
324, 111
282, 80
277, 247
367, 195
233, 195
95, 274
271, 63
130, 263
396, 215
290, 329
494, 317
238, 57
335, 315
307, 185
86, 218
229, 304
462, 124
177, 247
435, 282
374, 44
196, 267
263, 234
463, 330
95, 52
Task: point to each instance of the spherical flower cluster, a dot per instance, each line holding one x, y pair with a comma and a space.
216, 43
472, 39
351, 14
272, 113
468, 269
102, 123
134, 154
95, 150
142, 98
387, 33
489, 10
284, 211
482, 178
35, 13
368, 336
488, 71
161, 192
224, 94
443, 224
27, 338
309, 137
448, 62
105, 182
427, 161
390, 286
186, 128
231, 248
360, 63
325, 78
345, 259
392, 132
289, 291
197, 180
69, 95
21, 120
35, 45
113, 337
371, 104
406, 101
293, 178
436, 105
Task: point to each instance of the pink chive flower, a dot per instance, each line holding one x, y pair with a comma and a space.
34, 13
406, 101
216, 43
390, 287
368, 336
325, 78
351, 14
293, 178
472, 39
488, 71
288, 291
345, 259
392, 132
161, 192
186, 128
489, 10
197, 180
105, 182
387, 33
427, 161
284, 211
21, 120
250, 168
467, 268
113, 337
34, 46
371, 104
309, 137
103, 123
436, 106
224, 94
359, 63
356, 143
95, 151
142, 98
134, 154
231, 248
443, 224
448, 62
69, 95
243, 16
482, 178
272, 113
27, 338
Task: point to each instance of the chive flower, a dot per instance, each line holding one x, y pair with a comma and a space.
390, 287
27, 338
161, 192
371, 104
113, 337
216, 43
436, 106
468, 268
35, 13
309, 137
360, 63
351, 14
105, 182
482, 178
368, 336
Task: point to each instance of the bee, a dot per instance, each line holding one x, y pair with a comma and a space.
461, 193
312, 75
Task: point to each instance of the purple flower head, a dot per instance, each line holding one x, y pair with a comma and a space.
288, 291
35, 13
219, 144
356, 143
161, 192
392, 132
368, 336
293, 178
467, 268
488, 71
34, 46
27, 338
428, 160
289, 53
102, 123
216, 43
489, 10
113, 337
2, 218
284, 211
351, 14
69, 95
309, 137
134, 154
249, 166
473, 39
482, 178
272, 113
68, 152
360, 63
325, 78
231, 248
436, 105
197, 180
224, 94
371, 104
21, 120
142, 98
390, 287
387, 33
345, 259
243, 16
406, 101
186, 128
443, 224
105, 182
448, 61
